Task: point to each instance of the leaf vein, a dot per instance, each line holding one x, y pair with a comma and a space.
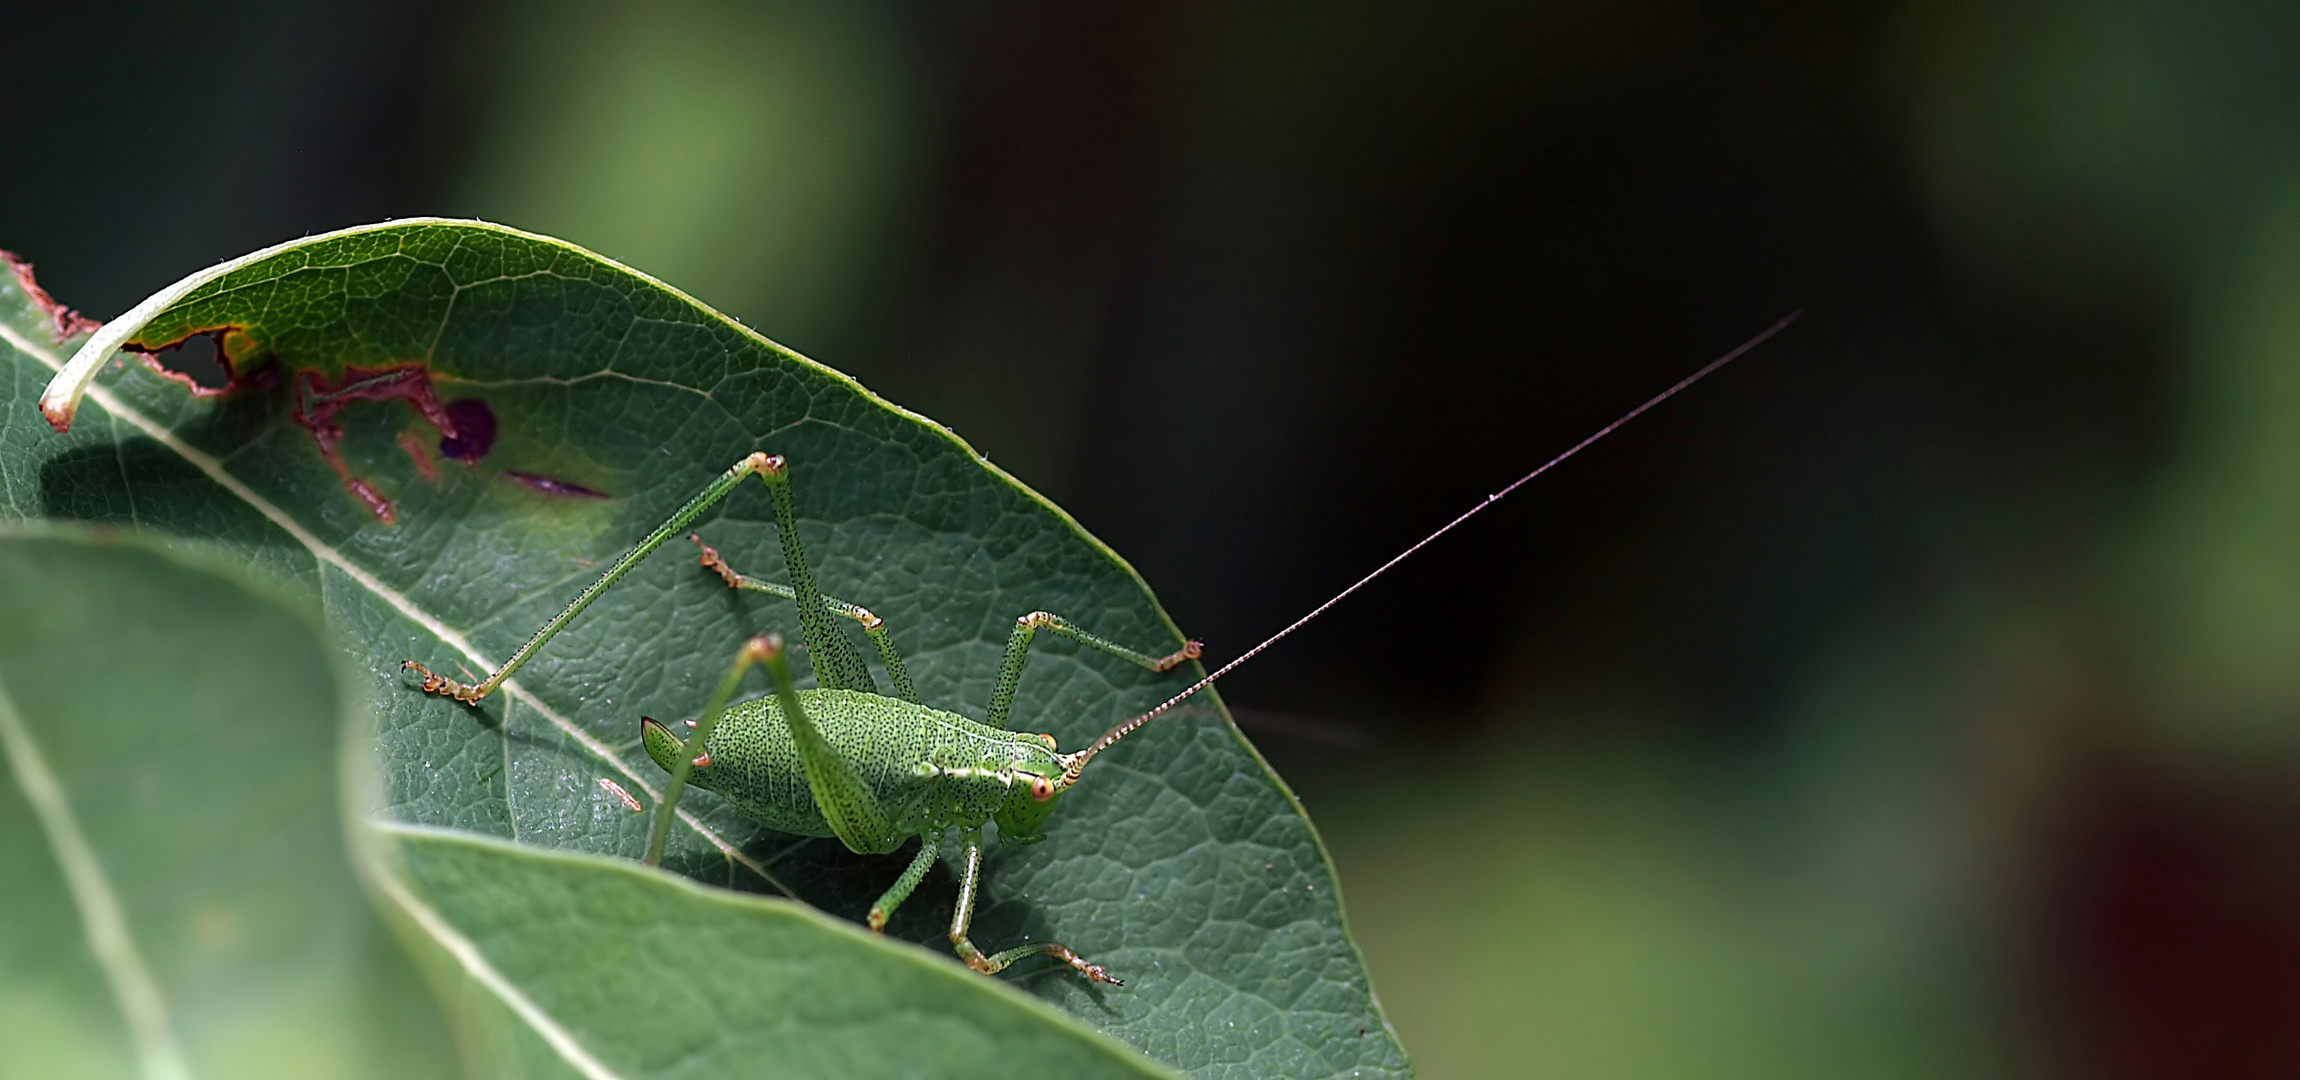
131, 979
474, 963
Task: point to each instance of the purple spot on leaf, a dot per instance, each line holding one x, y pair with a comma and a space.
549, 486
474, 431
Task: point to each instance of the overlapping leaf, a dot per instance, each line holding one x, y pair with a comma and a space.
179, 901
1181, 862
627, 972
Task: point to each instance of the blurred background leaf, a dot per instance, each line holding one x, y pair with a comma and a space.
1930, 671
179, 898
761, 148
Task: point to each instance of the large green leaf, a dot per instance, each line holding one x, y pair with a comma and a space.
172, 865
1181, 861
754, 986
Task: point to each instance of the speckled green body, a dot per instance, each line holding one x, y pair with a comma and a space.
932, 770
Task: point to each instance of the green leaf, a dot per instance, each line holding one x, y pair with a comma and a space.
1180, 861
584, 940
172, 862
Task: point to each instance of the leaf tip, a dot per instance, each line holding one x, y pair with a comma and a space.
58, 412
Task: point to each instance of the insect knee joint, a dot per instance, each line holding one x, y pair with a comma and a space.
1190, 650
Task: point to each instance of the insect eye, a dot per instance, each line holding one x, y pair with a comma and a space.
1041, 788
1048, 740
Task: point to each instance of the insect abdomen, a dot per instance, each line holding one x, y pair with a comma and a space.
929, 768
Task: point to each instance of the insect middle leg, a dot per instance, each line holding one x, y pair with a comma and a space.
1018, 653
993, 963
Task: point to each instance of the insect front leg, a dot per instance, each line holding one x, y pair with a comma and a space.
993, 963
881, 637
1018, 652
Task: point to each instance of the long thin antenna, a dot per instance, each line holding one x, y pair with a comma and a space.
1076, 763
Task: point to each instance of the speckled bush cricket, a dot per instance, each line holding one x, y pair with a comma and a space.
874, 770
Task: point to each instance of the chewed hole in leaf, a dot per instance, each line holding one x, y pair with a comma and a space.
199, 361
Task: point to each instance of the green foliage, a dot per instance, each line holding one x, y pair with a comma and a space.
171, 860
1181, 861
664, 978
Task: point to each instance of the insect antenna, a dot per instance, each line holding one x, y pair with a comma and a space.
1074, 764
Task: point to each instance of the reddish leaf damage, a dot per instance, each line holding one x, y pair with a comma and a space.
188, 358
553, 486
413, 444
317, 402
64, 323
202, 361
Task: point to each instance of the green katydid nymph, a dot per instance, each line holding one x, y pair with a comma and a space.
874, 770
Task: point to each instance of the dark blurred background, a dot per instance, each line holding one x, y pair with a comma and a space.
1918, 697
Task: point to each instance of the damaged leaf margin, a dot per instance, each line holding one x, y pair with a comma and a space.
60, 402
67, 323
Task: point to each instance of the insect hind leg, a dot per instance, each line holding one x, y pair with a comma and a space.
767, 467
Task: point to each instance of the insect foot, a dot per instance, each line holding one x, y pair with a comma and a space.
444, 686
993, 964
717, 565
1093, 972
